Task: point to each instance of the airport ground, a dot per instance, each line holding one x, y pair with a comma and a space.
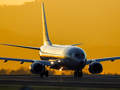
87, 82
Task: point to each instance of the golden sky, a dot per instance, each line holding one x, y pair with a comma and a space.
95, 23
14, 2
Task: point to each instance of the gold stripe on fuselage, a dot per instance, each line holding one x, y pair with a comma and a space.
52, 56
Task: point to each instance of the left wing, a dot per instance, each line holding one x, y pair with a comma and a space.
48, 63
102, 59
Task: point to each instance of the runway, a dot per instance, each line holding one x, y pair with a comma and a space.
89, 81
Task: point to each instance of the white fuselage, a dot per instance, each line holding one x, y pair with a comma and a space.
67, 56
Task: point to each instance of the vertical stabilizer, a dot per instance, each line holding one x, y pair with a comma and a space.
45, 31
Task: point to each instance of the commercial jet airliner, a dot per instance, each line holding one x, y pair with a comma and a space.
64, 57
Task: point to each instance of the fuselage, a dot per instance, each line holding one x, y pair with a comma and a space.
67, 56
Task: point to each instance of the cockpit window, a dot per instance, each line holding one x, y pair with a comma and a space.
77, 55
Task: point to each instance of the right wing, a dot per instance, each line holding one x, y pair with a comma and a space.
28, 47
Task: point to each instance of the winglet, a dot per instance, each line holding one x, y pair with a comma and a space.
45, 30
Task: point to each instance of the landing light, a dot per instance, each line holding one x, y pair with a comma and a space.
52, 62
59, 60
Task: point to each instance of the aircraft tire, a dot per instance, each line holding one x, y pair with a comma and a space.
78, 74
75, 74
46, 73
41, 75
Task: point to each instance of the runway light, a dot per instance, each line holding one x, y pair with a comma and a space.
61, 69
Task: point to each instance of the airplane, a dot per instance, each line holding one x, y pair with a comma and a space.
60, 57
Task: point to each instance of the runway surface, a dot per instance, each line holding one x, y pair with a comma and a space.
89, 81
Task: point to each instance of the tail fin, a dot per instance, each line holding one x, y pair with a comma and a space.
45, 31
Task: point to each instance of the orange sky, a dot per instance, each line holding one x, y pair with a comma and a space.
95, 23
14, 2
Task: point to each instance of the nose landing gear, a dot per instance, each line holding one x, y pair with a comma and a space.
78, 73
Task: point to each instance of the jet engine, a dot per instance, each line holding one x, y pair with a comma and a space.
95, 67
37, 68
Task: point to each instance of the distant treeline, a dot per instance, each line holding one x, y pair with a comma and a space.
20, 71
24, 71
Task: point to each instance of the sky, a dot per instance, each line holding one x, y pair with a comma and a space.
95, 23
14, 2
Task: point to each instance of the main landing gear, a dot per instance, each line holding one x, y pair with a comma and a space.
78, 73
45, 73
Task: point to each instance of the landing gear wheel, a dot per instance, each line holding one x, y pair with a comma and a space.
41, 75
75, 74
46, 73
78, 73
81, 74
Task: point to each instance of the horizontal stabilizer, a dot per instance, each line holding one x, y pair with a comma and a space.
28, 47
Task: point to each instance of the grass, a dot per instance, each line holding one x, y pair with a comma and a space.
19, 87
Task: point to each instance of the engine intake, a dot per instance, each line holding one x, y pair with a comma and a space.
95, 67
37, 68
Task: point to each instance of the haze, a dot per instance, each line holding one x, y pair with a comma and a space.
14, 2
95, 23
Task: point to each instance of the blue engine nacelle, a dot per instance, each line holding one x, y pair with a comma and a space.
95, 67
37, 68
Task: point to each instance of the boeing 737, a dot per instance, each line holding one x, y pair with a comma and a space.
65, 57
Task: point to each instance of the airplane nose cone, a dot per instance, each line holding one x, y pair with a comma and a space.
77, 53
81, 64
81, 61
